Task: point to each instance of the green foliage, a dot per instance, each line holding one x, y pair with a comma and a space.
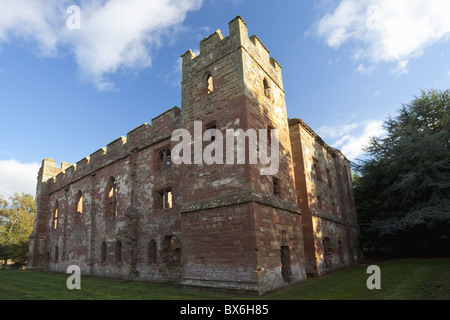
16, 225
403, 189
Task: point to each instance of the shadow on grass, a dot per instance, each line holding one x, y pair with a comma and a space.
400, 280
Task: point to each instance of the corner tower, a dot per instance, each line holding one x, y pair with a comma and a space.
241, 229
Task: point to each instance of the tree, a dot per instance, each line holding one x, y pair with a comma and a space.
16, 225
403, 188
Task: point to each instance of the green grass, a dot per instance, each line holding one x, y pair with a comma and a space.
400, 280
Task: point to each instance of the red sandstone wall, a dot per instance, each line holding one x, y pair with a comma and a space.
324, 195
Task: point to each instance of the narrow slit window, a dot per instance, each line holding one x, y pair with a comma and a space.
276, 187
111, 198
55, 216
103, 252
316, 169
118, 251
269, 136
56, 254
152, 251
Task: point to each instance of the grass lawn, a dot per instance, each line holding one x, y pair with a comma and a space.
400, 280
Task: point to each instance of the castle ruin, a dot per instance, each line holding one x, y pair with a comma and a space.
127, 211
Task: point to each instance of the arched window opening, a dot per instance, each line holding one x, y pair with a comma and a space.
56, 254
111, 198
210, 83
267, 90
79, 203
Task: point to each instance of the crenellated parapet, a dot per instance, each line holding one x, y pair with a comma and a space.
215, 47
161, 128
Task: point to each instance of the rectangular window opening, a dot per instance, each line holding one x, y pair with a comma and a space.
164, 199
276, 187
164, 159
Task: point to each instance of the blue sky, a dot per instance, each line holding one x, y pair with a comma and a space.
347, 66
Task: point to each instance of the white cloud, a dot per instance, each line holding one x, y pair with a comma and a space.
352, 138
115, 35
36, 20
400, 69
17, 177
385, 30
365, 70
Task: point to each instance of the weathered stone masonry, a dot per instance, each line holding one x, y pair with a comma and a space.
128, 212
325, 196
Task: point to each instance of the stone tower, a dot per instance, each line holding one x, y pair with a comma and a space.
241, 228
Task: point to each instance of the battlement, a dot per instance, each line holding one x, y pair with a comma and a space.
265, 53
215, 47
209, 42
141, 137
